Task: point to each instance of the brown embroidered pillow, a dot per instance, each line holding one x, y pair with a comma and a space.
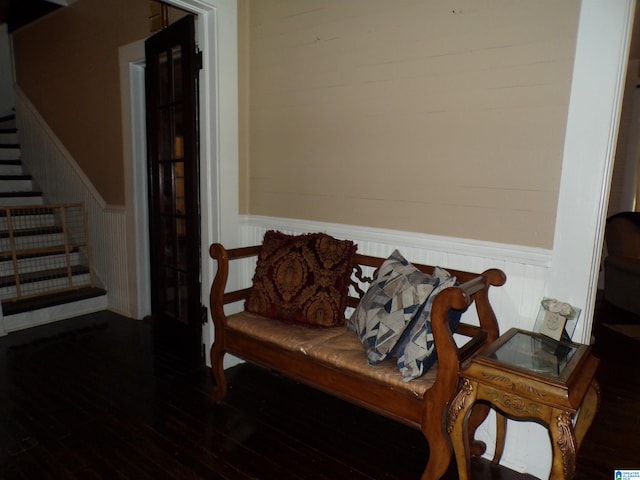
302, 279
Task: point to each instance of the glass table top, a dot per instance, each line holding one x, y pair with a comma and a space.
535, 353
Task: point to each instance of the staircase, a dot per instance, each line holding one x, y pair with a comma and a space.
45, 272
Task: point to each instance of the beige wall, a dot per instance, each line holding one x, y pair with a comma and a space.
67, 64
244, 61
431, 116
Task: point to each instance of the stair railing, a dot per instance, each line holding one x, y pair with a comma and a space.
44, 249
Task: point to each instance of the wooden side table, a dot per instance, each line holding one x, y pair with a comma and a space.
527, 376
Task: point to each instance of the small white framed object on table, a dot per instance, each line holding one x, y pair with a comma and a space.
556, 320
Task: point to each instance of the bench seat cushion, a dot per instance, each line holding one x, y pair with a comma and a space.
337, 347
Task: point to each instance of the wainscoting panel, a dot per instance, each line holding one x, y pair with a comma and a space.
516, 303
55, 171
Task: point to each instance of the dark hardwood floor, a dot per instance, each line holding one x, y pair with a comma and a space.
103, 396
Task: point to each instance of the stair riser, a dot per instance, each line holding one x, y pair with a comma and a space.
8, 138
33, 241
46, 286
16, 186
11, 170
9, 153
28, 221
29, 265
8, 123
20, 201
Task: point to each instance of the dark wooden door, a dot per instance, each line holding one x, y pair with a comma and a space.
171, 79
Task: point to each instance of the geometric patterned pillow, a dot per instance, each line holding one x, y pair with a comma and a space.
302, 279
392, 300
416, 350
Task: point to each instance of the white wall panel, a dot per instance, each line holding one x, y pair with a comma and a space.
516, 303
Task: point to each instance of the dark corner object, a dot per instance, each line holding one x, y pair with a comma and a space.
622, 263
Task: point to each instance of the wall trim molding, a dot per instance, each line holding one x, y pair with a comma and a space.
459, 246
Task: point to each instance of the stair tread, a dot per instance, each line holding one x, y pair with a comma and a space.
15, 177
10, 162
26, 232
26, 210
9, 145
20, 194
44, 252
11, 307
49, 274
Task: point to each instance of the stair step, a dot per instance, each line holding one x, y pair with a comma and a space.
27, 211
45, 286
34, 263
15, 177
12, 307
44, 282
8, 136
8, 123
30, 232
11, 167
9, 153
16, 199
42, 275
16, 183
20, 194
51, 251
31, 218
33, 242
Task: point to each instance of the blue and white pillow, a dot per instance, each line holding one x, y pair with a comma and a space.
416, 350
398, 292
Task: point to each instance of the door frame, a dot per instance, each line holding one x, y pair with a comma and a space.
216, 34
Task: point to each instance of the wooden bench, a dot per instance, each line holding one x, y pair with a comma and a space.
334, 360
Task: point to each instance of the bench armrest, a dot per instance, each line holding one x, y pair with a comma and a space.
460, 297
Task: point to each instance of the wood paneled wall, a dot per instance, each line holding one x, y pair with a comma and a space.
438, 117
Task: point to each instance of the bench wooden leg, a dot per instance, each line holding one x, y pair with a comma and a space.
439, 452
217, 370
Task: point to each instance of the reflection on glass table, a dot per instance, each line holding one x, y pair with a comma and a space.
535, 353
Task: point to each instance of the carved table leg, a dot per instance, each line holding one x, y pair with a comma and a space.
563, 444
457, 426
501, 433
478, 415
